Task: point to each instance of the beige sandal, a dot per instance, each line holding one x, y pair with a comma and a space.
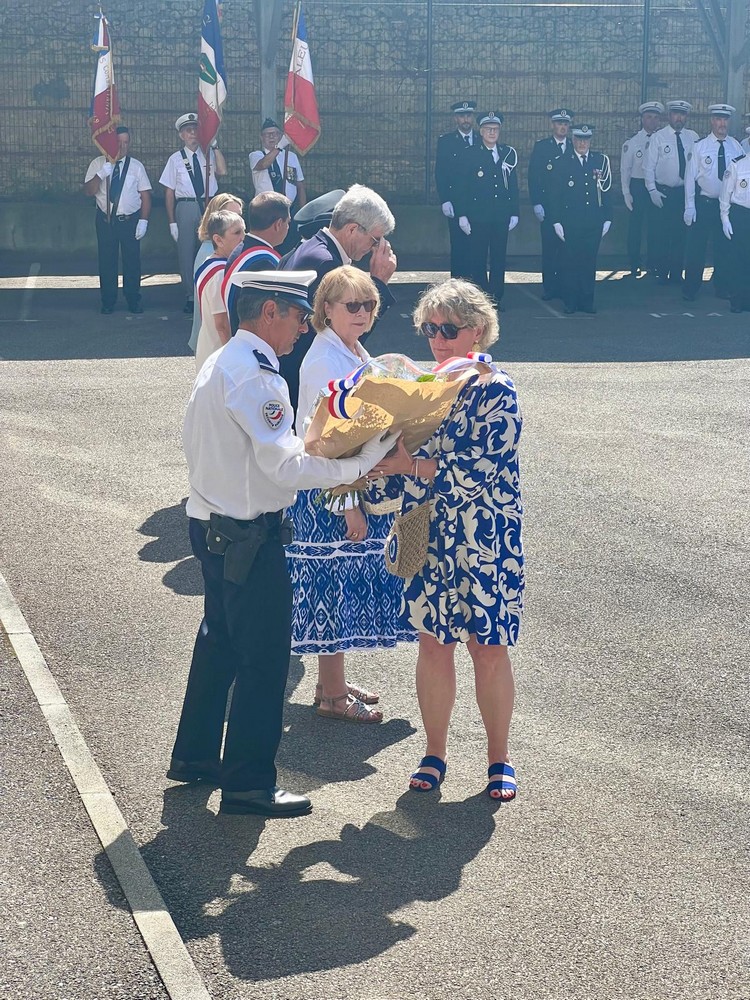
353, 710
368, 697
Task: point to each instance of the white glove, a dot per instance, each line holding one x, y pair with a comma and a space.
629, 200
559, 230
447, 208
373, 450
656, 197
214, 144
282, 143
605, 228
539, 213
140, 229
174, 232
513, 222
726, 225
105, 170
689, 216
465, 225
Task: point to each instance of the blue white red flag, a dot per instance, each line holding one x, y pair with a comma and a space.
212, 77
105, 106
301, 117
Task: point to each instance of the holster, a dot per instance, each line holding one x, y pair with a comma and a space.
237, 543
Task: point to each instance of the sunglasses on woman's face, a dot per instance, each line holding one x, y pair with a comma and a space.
353, 307
448, 330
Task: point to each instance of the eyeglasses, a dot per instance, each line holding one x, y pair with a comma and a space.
374, 240
353, 307
449, 330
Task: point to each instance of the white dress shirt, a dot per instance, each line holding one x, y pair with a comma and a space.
735, 188
345, 258
328, 358
262, 178
176, 177
243, 456
703, 167
745, 145
631, 161
661, 162
136, 180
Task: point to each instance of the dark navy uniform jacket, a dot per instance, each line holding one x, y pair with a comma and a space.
574, 199
544, 156
484, 187
450, 147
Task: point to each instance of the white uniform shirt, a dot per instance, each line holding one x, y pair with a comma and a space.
136, 180
243, 457
745, 145
703, 167
661, 162
631, 161
735, 188
176, 177
262, 178
328, 358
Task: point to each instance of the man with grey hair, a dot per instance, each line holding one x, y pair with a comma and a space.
359, 225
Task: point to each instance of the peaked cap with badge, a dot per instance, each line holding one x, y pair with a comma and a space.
561, 115
291, 286
191, 118
464, 107
654, 106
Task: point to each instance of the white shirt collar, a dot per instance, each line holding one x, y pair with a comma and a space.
345, 258
260, 239
258, 344
331, 337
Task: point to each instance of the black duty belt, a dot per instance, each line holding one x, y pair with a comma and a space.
178, 200
239, 541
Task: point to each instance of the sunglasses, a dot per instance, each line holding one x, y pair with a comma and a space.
374, 240
448, 330
353, 307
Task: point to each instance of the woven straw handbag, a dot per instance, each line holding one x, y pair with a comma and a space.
406, 544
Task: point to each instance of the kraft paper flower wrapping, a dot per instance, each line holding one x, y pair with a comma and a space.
389, 393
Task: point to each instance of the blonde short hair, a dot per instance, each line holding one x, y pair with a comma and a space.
462, 303
218, 203
335, 286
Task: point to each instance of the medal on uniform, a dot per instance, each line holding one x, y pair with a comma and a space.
743, 183
667, 149
708, 159
639, 154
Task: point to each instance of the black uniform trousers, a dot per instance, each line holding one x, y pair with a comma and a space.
668, 230
738, 257
580, 250
638, 220
460, 251
245, 637
707, 227
552, 253
114, 237
489, 237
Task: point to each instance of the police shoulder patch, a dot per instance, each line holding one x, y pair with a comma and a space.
273, 413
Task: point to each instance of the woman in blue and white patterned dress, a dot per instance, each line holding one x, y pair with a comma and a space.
344, 598
471, 587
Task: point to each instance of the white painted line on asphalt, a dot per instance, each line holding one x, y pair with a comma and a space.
535, 298
28, 291
160, 935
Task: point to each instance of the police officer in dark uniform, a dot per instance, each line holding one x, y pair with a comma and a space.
580, 210
450, 146
544, 155
487, 203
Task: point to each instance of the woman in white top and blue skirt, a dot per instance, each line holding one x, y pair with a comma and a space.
345, 599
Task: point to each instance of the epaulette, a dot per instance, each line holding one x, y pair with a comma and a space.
736, 159
263, 363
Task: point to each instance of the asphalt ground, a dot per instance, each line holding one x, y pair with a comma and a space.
621, 870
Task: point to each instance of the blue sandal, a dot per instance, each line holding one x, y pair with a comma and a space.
429, 761
505, 781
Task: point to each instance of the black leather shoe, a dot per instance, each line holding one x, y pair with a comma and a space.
137, 308
106, 310
194, 770
188, 307
274, 802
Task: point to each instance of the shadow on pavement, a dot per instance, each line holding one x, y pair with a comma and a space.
171, 544
328, 904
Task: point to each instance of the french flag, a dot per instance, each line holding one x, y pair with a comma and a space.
212, 77
301, 117
105, 106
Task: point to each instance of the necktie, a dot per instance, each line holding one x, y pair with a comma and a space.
115, 184
200, 189
584, 160
722, 159
681, 155
466, 141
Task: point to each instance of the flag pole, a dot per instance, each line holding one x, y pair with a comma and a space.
295, 22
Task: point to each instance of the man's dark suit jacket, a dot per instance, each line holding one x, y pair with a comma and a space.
319, 254
450, 147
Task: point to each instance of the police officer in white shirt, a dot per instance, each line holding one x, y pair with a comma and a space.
634, 191
746, 141
664, 165
184, 180
703, 178
275, 167
245, 465
734, 209
123, 205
